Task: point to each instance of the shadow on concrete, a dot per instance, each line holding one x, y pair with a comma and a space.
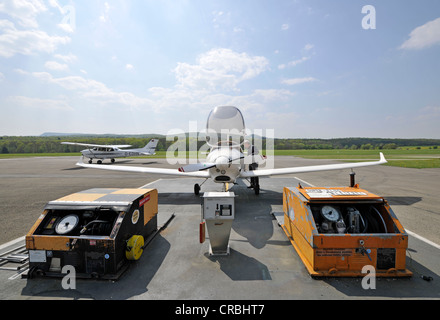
240, 267
402, 201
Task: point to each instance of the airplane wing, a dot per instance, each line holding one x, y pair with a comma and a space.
325, 167
96, 145
173, 172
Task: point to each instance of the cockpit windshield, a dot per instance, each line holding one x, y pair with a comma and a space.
225, 126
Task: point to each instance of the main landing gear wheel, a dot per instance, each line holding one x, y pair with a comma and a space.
90, 161
113, 160
196, 189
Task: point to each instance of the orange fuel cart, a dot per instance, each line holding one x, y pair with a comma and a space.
338, 231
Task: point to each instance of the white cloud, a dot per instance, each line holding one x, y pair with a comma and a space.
221, 19
293, 63
95, 90
285, 26
105, 15
308, 47
220, 69
297, 62
70, 58
424, 36
129, 66
428, 113
38, 103
53, 65
68, 28
294, 81
26, 42
25, 12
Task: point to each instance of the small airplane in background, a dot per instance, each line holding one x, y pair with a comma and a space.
224, 162
102, 152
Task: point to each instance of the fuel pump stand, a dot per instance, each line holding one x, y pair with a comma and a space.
218, 213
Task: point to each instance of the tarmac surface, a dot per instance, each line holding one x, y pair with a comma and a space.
262, 264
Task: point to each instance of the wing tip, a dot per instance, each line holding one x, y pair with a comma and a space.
382, 158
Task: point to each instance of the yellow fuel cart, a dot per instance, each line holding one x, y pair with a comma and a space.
338, 231
96, 231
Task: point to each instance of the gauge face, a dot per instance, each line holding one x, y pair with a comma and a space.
330, 213
67, 224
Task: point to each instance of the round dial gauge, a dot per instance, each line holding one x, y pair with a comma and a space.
67, 224
330, 213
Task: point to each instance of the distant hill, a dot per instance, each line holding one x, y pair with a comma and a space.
59, 134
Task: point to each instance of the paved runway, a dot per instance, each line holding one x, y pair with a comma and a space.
262, 264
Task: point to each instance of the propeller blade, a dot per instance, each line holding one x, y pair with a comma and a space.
197, 167
239, 158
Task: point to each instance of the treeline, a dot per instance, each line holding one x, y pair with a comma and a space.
52, 144
352, 143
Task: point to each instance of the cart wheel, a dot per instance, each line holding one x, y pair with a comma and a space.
135, 248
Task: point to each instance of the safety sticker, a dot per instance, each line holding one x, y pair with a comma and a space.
334, 252
328, 193
144, 200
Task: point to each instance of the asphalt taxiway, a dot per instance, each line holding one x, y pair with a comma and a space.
262, 264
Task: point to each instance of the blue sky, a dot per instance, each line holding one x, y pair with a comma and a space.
305, 68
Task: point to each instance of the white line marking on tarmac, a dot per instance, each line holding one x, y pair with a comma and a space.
148, 184
303, 181
415, 235
11, 243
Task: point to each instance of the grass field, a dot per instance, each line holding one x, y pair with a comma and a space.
411, 157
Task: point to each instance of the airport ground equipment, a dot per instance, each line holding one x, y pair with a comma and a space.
218, 213
96, 231
338, 231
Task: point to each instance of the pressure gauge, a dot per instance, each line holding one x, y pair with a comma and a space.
67, 224
330, 213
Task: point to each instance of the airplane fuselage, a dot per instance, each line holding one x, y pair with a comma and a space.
109, 153
225, 171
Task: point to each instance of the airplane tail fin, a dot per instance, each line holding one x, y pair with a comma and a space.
150, 148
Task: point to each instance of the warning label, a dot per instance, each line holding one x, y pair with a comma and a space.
334, 252
329, 193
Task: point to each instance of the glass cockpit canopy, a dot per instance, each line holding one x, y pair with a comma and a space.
225, 126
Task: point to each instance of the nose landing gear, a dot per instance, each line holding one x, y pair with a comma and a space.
198, 187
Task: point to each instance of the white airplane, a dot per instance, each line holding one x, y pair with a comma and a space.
102, 152
225, 162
